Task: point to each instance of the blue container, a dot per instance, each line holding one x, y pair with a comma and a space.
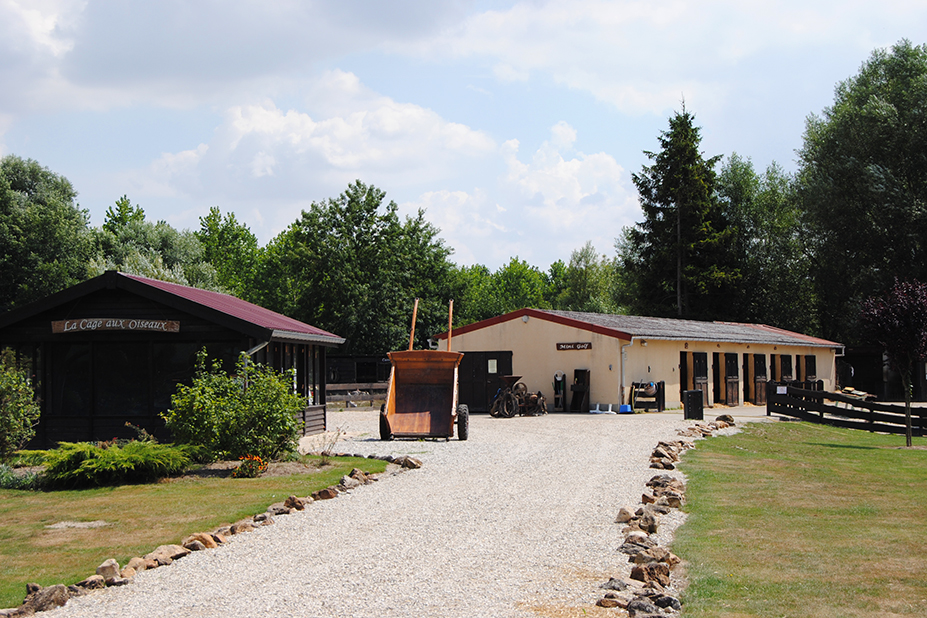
625, 409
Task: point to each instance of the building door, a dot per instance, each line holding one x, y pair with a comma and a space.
700, 374
478, 377
731, 379
759, 379
785, 362
811, 368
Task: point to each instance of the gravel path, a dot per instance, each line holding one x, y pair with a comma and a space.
517, 521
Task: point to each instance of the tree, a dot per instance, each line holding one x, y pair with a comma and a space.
45, 238
590, 283
123, 214
19, 411
517, 285
863, 185
776, 285
351, 266
678, 258
898, 321
232, 250
129, 243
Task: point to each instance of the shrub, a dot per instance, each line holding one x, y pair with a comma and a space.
28, 458
250, 413
83, 464
11, 479
19, 412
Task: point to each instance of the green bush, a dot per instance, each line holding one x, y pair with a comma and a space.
250, 413
19, 412
82, 464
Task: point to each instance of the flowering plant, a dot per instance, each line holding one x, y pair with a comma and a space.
251, 466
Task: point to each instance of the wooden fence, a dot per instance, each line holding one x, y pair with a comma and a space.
810, 404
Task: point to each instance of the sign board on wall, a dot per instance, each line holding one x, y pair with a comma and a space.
579, 345
93, 324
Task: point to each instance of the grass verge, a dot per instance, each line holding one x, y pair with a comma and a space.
141, 517
795, 519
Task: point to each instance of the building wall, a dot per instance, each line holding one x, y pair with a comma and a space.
660, 360
536, 357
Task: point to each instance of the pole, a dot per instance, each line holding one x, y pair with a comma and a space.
414, 315
450, 324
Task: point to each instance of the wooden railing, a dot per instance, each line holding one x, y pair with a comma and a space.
368, 392
807, 404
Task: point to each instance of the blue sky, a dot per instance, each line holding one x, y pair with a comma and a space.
515, 125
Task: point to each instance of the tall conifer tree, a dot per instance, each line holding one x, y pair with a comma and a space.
677, 261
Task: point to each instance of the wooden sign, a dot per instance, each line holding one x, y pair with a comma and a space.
584, 345
93, 324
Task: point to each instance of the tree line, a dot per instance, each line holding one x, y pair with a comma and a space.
718, 240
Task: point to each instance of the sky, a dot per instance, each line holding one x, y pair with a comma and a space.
516, 126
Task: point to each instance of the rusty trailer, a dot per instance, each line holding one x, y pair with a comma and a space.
422, 398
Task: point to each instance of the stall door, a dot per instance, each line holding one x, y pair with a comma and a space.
700, 374
731, 380
759, 379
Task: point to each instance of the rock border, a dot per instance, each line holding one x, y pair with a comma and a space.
646, 593
108, 574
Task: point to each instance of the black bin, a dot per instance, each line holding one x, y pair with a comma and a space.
692, 405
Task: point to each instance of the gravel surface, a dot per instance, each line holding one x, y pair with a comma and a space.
516, 521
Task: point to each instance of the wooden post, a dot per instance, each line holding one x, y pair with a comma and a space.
414, 315
450, 324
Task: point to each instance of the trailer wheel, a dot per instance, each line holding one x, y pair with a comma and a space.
385, 433
463, 422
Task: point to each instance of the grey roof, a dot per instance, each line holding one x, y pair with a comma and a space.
692, 330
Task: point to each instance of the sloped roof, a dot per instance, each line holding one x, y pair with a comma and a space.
248, 318
628, 326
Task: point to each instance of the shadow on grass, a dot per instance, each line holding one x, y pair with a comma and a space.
854, 447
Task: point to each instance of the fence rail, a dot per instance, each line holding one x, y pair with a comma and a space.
808, 404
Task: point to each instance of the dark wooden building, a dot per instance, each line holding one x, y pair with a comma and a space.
113, 349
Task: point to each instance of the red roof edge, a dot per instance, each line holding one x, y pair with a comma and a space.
541, 315
812, 340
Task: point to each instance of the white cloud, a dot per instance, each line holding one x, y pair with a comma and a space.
565, 201
469, 222
284, 159
642, 56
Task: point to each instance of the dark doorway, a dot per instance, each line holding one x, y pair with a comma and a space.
785, 362
811, 368
478, 377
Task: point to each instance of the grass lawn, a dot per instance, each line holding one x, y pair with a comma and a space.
141, 517
795, 519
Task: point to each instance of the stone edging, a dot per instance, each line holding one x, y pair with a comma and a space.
39, 598
646, 593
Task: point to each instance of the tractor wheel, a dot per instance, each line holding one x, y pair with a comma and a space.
463, 422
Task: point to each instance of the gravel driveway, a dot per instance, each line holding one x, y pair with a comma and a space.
517, 521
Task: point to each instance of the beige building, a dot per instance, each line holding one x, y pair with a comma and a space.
608, 360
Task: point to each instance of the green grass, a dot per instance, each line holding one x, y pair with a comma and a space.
142, 517
795, 519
